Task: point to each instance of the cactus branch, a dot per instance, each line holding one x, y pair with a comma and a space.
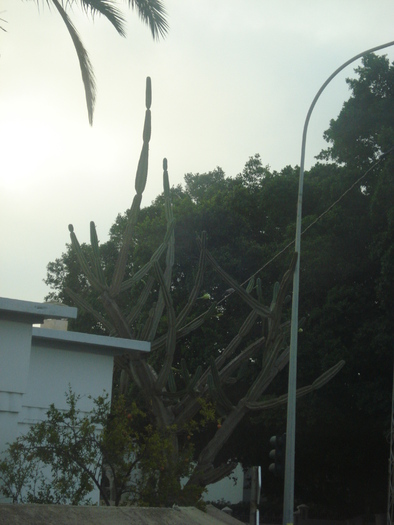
128, 283
96, 255
260, 309
95, 283
318, 383
171, 334
140, 181
89, 309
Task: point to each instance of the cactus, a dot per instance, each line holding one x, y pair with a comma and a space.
172, 407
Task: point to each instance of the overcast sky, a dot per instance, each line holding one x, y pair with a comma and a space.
232, 78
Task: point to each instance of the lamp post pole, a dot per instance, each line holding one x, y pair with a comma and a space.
288, 502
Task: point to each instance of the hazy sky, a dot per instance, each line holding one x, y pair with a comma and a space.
232, 78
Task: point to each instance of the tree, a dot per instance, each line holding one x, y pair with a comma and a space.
151, 12
113, 449
363, 130
167, 387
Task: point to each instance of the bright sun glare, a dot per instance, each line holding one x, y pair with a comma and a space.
26, 146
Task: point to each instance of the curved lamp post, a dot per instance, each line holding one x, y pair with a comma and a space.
288, 504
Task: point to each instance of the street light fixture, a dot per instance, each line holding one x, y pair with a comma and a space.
288, 503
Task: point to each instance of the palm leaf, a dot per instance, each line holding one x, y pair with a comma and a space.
153, 14
84, 62
106, 8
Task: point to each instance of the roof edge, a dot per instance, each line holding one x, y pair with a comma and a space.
36, 311
116, 345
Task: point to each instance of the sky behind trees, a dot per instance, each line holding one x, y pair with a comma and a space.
230, 80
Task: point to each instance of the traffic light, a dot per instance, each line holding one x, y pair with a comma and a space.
278, 454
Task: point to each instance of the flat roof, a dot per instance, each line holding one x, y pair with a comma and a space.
15, 309
112, 345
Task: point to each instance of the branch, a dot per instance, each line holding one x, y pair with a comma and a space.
89, 309
318, 383
260, 309
171, 334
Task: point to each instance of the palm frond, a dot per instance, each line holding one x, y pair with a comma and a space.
2, 20
84, 61
106, 8
152, 13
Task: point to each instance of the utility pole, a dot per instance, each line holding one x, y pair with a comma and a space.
390, 499
255, 490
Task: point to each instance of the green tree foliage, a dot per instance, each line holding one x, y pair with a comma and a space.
115, 450
363, 129
350, 315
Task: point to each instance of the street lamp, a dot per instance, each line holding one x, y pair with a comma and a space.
288, 503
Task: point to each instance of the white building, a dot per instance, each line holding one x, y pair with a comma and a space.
39, 365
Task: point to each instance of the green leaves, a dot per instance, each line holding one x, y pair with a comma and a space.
62, 458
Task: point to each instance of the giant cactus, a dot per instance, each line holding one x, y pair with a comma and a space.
172, 406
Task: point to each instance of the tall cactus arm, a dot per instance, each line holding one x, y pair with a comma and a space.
148, 324
171, 333
187, 408
318, 383
273, 352
277, 367
193, 325
96, 254
213, 474
246, 327
208, 454
259, 290
87, 270
114, 313
227, 371
175, 394
171, 383
233, 345
186, 329
279, 299
222, 403
140, 182
216, 388
170, 256
140, 274
142, 299
89, 309
264, 311
196, 323
167, 194
188, 379
197, 283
